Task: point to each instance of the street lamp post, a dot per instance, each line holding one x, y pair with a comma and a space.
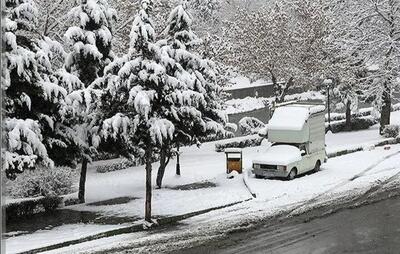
328, 83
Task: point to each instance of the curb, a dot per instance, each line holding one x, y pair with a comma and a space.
130, 229
390, 141
246, 183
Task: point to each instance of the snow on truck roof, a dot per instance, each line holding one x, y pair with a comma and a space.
293, 117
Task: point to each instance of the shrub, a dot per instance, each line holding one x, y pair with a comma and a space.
396, 107
123, 164
250, 125
42, 182
342, 116
101, 156
356, 124
247, 142
114, 166
50, 203
391, 131
22, 209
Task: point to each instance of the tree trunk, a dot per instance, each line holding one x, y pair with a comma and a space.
161, 168
82, 181
348, 115
178, 165
147, 212
385, 111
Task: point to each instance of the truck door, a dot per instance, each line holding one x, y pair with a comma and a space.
306, 159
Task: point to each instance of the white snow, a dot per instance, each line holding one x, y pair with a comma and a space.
233, 150
288, 118
234, 106
204, 164
279, 155
55, 235
344, 176
244, 82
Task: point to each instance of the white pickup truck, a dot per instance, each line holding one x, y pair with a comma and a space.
297, 134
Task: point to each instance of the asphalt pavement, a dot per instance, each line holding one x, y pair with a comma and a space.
374, 228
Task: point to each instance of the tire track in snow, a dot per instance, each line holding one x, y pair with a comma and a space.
343, 183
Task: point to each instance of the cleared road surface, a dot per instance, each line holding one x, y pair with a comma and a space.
374, 228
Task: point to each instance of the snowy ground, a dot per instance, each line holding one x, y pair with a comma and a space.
342, 176
205, 165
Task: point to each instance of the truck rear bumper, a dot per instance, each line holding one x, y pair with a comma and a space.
270, 173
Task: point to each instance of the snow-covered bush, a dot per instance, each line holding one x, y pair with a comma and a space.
42, 182
356, 124
396, 107
101, 156
231, 127
123, 164
114, 166
250, 125
247, 142
391, 131
16, 210
342, 116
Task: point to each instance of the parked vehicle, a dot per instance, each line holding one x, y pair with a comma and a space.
297, 132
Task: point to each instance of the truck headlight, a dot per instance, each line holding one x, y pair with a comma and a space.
256, 166
281, 168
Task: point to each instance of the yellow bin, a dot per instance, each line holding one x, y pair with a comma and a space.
234, 160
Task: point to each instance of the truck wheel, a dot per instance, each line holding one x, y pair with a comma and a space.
317, 166
259, 176
292, 174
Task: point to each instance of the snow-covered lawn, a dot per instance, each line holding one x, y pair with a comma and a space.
207, 166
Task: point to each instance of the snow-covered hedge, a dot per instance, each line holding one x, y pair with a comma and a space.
342, 116
396, 107
101, 156
361, 113
28, 207
391, 131
42, 182
242, 143
119, 165
356, 124
122, 164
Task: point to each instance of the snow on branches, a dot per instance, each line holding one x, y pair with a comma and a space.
91, 40
23, 146
32, 94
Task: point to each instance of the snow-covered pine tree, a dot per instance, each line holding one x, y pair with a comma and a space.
136, 95
91, 52
31, 100
201, 119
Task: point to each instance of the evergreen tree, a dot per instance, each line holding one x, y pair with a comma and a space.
201, 119
91, 52
138, 90
31, 98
